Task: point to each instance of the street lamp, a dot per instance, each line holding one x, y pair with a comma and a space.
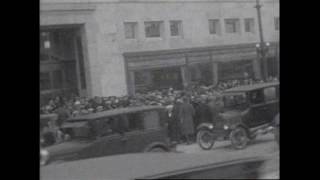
262, 48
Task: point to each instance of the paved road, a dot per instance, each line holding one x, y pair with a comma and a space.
264, 145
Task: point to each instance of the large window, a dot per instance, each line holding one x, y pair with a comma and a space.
153, 29
130, 30
249, 25
232, 25
176, 28
214, 26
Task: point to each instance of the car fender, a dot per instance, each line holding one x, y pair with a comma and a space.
234, 126
205, 126
156, 144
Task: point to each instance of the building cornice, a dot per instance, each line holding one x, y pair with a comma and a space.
196, 49
57, 2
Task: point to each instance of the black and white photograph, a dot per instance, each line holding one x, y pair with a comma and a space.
159, 89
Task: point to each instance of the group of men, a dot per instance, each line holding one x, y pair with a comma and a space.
185, 116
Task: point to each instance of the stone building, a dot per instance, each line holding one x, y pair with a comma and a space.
118, 47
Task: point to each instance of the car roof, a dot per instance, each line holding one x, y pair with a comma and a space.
246, 88
114, 112
132, 166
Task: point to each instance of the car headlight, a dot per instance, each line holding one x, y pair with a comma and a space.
225, 127
44, 157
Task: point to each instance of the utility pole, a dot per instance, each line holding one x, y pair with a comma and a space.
262, 47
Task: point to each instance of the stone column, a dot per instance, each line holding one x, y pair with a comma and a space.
131, 83
215, 73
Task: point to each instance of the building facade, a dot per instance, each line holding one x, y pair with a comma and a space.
118, 47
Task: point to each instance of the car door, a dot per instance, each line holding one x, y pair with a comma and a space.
135, 136
271, 102
108, 142
258, 113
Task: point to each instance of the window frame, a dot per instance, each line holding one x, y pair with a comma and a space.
180, 28
249, 22
160, 28
236, 25
134, 27
216, 26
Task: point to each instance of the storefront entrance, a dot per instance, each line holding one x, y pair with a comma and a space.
61, 62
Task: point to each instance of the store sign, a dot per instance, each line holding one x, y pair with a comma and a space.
156, 63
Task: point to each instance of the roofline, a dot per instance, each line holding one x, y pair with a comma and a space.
112, 112
157, 1
266, 85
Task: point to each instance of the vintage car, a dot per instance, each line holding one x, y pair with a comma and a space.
247, 111
118, 131
166, 166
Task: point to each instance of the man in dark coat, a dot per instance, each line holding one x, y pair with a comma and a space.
174, 124
202, 113
186, 114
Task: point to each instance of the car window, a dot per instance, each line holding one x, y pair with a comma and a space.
135, 121
231, 100
257, 97
270, 93
151, 119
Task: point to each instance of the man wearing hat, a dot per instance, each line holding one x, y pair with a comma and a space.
186, 114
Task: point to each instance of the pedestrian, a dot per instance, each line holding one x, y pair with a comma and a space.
202, 112
186, 115
174, 124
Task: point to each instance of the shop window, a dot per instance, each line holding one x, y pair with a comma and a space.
130, 30
232, 25
176, 28
235, 70
214, 26
140, 78
153, 29
249, 25
45, 81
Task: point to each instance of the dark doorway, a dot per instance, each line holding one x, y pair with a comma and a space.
61, 62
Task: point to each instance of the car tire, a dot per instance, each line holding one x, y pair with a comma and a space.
239, 138
157, 149
205, 139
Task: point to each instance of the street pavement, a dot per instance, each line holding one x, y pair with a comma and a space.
263, 145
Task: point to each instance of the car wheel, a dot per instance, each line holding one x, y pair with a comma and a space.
205, 139
239, 138
157, 149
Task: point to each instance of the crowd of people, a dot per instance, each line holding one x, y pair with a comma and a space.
186, 108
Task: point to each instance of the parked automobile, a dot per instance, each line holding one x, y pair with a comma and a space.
165, 166
118, 131
247, 111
